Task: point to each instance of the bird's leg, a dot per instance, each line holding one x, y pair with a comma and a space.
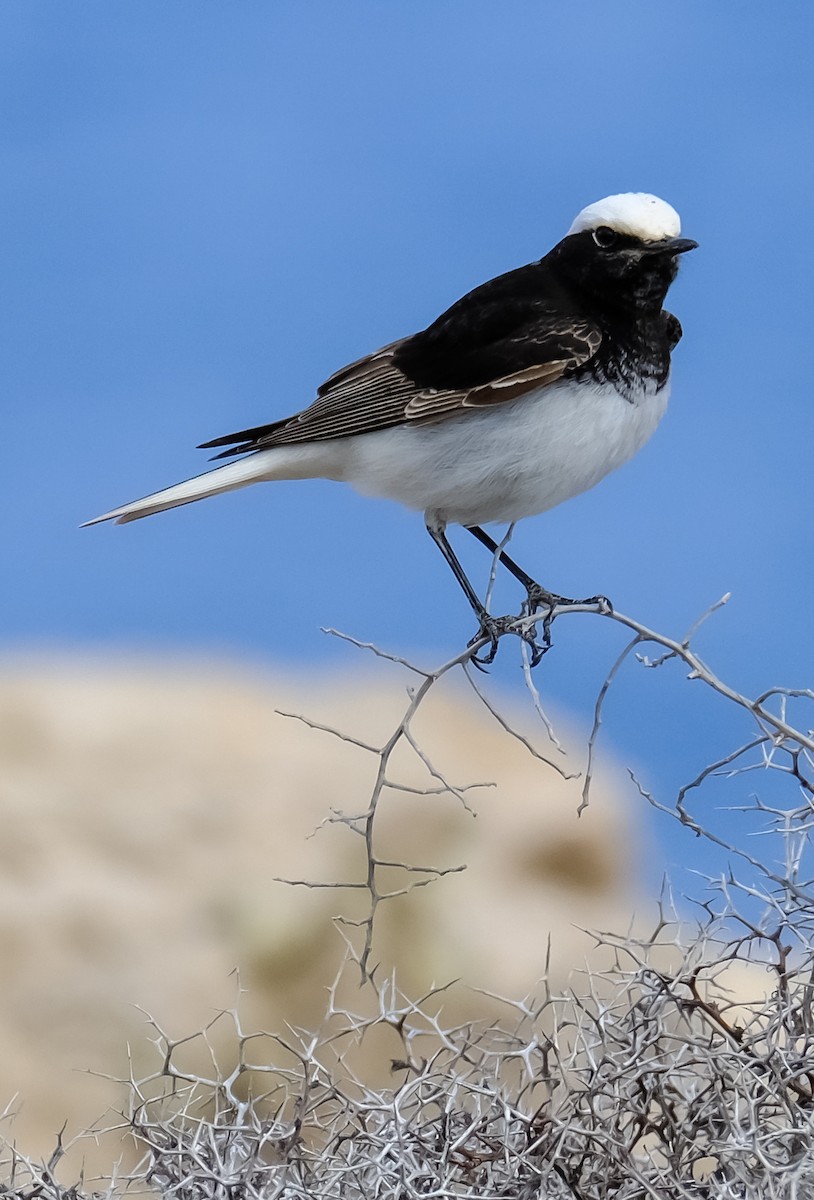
490, 627
537, 597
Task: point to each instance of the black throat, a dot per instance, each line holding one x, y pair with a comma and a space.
622, 293
634, 353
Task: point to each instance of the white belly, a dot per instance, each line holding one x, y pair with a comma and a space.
508, 461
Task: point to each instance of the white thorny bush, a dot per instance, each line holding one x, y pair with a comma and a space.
680, 1064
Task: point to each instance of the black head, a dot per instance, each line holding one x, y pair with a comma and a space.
622, 252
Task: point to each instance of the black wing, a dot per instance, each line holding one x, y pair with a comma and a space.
508, 337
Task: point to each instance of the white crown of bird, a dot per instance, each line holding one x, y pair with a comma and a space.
635, 213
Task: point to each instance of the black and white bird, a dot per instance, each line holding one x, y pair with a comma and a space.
526, 392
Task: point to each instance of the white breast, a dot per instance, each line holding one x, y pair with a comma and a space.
508, 461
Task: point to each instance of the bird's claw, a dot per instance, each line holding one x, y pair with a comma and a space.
538, 597
493, 628
602, 603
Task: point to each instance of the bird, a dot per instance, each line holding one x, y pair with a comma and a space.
527, 391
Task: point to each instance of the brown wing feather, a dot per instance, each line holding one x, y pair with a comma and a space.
359, 366
428, 403
372, 394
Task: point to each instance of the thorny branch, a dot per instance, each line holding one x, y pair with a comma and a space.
649, 1081
777, 742
683, 1070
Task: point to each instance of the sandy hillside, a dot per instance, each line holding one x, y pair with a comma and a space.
146, 811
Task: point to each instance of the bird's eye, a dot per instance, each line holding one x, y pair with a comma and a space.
605, 237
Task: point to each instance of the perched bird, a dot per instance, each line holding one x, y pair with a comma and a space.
526, 392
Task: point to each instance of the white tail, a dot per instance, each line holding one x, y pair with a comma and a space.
223, 479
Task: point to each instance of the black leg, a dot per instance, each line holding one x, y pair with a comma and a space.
484, 538
490, 627
443, 545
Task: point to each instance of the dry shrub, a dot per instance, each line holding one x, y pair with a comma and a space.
682, 1067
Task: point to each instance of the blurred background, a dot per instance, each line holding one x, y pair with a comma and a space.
207, 209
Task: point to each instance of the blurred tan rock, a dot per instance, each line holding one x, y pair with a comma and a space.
147, 809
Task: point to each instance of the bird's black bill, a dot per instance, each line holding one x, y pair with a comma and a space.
671, 246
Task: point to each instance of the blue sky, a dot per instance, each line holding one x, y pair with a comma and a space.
208, 207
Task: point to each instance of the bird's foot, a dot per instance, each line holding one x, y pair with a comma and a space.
539, 598
492, 630
537, 636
